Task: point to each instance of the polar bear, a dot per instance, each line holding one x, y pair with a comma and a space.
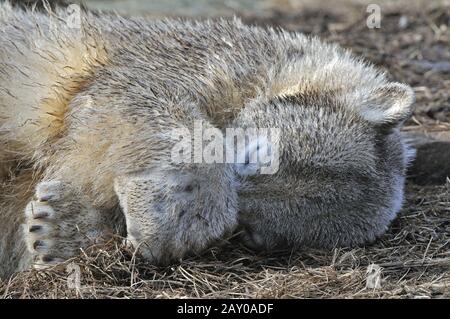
87, 112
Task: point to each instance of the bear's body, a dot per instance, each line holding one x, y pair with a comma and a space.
87, 112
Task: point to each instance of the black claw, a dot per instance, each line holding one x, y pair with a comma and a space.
47, 259
35, 228
46, 198
40, 216
38, 243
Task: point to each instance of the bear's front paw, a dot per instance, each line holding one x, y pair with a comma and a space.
58, 224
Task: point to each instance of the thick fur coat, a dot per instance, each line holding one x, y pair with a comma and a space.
86, 115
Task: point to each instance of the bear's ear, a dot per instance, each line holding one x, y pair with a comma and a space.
390, 104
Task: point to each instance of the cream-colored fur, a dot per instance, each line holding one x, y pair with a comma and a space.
86, 122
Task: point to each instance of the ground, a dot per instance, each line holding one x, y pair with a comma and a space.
412, 260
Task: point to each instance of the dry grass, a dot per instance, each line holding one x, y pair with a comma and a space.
414, 254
